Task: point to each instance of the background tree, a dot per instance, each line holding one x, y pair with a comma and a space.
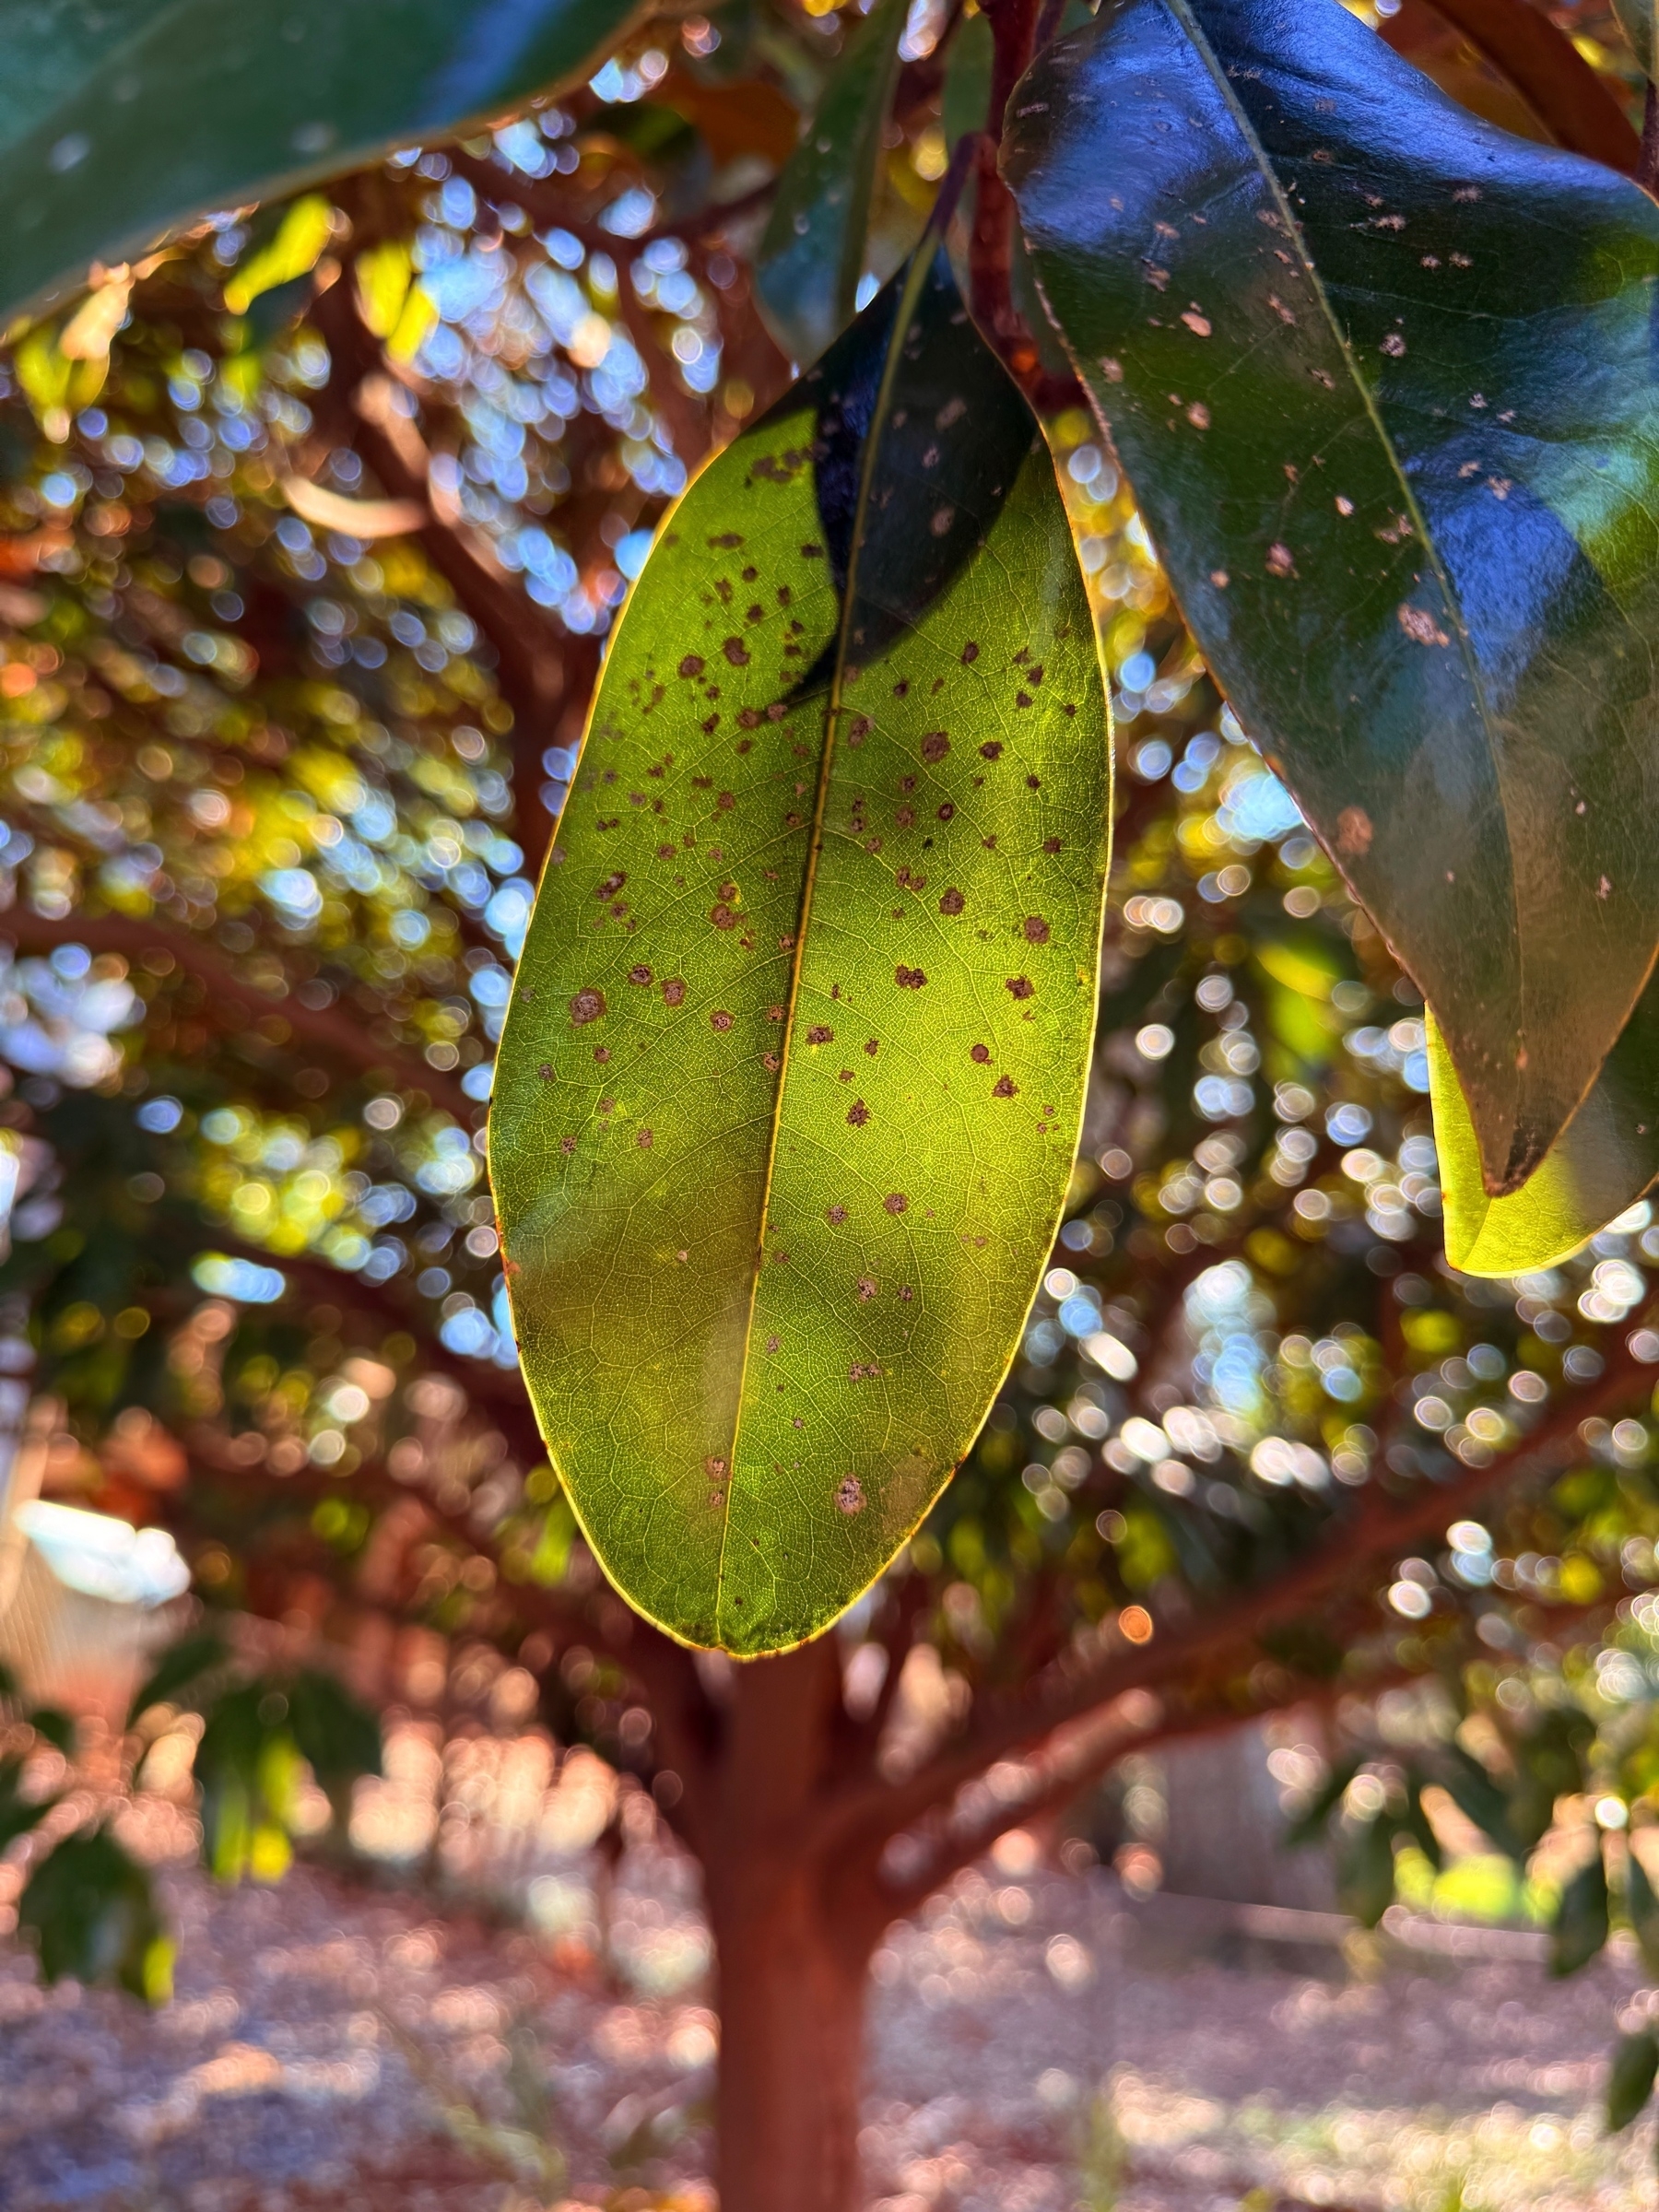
315, 521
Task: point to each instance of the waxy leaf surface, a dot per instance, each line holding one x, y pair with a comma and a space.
119, 118
1383, 379
1601, 1164
811, 254
795, 1065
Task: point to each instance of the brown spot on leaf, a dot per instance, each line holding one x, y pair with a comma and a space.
720, 1019
909, 979
674, 991
820, 1035
691, 666
1020, 986
1421, 627
835, 1215
970, 653
858, 1113
980, 1052
952, 902
1353, 830
849, 1495
721, 914
587, 1005
990, 752
1036, 930
895, 1202
736, 651
640, 974
866, 1287
1004, 1089
934, 746
644, 1141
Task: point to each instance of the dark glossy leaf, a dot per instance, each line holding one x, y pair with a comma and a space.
795, 1058
181, 1666
90, 1912
1630, 2076
1365, 1870
1641, 1910
1382, 378
118, 122
812, 253
1419, 1827
246, 1770
1602, 1162
1580, 1927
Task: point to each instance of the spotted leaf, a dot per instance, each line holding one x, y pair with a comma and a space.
790, 1083
1382, 377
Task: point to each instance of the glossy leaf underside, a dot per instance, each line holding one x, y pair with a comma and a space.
1602, 1162
1383, 379
121, 118
793, 1070
811, 254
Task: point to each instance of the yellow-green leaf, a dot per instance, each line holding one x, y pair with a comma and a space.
294, 252
786, 1104
1602, 1162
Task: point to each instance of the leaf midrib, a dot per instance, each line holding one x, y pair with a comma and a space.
920, 265
1182, 13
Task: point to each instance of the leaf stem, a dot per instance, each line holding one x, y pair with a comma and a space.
1013, 28
1646, 172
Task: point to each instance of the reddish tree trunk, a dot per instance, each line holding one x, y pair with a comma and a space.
792, 1997
793, 1937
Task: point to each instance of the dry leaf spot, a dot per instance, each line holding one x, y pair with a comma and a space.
1004, 1089
602, 1053
990, 752
835, 1215
981, 1053
1111, 370
736, 651
860, 730
934, 746
866, 1287
718, 1468
1198, 415
970, 652
895, 1202
943, 518
721, 914
587, 1005
720, 1019
691, 666
640, 974
872, 1047
1020, 986
1420, 626
1036, 930
546, 1072
909, 979
1280, 561
567, 1144
1393, 344
858, 1113
674, 991
820, 1035
946, 813
952, 902
644, 1141
1197, 322
849, 1495
1051, 844
612, 884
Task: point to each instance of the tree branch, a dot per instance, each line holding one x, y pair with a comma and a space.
1544, 65
332, 1031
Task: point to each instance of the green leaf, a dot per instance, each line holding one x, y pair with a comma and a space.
1365, 1870
1311, 1823
1381, 376
339, 1738
1419, 1826
1635, 18
1602, 1162
1580, 1927
1641, 1910
90, 1909
794, 1064
1630, 2076
1478, 1798
812, 252
117, 122
180, 1666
